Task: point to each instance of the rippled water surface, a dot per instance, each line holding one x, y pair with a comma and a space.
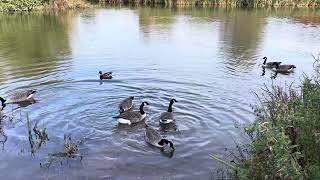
208, 59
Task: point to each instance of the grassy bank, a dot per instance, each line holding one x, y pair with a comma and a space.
286, 134
29, 5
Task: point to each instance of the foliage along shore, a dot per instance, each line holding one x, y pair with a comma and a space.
285, 137
222, 3
29, 5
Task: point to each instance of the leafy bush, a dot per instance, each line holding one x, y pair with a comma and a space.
286, 134
18, 5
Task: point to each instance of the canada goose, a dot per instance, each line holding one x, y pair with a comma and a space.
126, 104
154, 138
19, 97
107, 75
266, 64
129, 117
168, 117
284, 68
2, 103
288, 66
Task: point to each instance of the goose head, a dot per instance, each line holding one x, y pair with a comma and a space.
100, 72
170, 105
132, 97
265, 60
145, 103
173, 100
164, 142
32, 91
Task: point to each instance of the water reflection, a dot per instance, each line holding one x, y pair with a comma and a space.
156, 20
263, 71
26, 103
168, 127
3, 136
33, 46
240, 35
168, 154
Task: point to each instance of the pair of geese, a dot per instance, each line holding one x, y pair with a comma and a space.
276, 67
129, 117
17, 97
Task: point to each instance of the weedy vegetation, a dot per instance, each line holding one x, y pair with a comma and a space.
70, 151
41, 136
29, 5
285, 137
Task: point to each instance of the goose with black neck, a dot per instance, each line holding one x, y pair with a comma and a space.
130, 117
168, 117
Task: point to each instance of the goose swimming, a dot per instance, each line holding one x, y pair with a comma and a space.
284, 68
266, 64
126, 104
3, 105
130, 117
168, 117
154, 138
107, 75
19, 97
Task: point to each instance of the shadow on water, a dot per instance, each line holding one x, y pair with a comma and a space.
274, 74
26, 103
168, 154
168, 127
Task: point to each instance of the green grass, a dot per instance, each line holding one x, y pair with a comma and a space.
286, 133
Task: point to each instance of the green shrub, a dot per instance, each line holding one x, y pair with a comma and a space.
286, 134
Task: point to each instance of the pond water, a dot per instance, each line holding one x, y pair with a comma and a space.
208, 59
